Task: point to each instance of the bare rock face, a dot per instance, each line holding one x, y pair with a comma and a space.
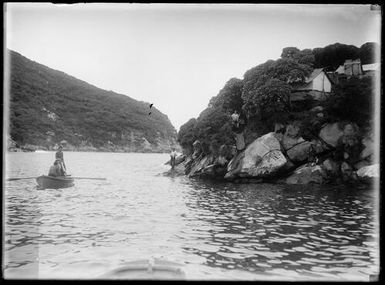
307, 174
296, 147
300, 151
368, 150
178, 160
367, 155
371, 171
332, 167
331, 134
262, 158
197, 146
200, 165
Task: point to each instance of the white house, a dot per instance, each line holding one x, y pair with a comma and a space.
354, 68
371, 67
351, 67
317, 85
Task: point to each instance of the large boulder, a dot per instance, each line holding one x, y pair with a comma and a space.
308, 174
296, 147
350, 146
188, 164
297, 150
331, 134
368, 150
261, 159
331, 167
371, 171
347, 172
367, 155
197, 146
292, 130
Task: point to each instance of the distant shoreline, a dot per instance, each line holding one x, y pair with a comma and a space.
52, 151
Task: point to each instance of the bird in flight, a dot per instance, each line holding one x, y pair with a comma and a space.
151, 105
149, 113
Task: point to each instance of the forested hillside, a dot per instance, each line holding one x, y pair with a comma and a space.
48, 106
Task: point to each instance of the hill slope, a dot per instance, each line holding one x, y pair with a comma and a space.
48, 106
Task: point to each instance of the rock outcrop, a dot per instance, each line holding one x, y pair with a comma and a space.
331, 134
262, 158
332, 157
307, 174
371, 171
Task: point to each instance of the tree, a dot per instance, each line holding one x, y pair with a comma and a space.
229, 97
352, 101
369, 52
332, 56
267, 86
272, 99
187, 135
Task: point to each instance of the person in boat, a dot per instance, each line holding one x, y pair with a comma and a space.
173, 157
59, 156
55, 169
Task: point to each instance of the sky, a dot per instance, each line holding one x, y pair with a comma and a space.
176, 56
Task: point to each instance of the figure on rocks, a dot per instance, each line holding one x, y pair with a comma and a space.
173, 157
349, 149
238, 126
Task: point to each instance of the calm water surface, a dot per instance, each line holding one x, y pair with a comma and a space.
216, 230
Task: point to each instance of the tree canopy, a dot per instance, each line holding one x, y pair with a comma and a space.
263, 93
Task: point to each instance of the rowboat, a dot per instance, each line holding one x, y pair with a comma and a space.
152, 269
52, 182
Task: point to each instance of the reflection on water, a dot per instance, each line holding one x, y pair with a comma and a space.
217, 230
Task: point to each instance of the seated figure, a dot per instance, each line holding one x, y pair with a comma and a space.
55, 169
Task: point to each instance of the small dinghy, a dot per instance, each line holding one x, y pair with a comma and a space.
151, 269
51, 182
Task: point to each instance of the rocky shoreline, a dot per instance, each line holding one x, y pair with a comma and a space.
339, 153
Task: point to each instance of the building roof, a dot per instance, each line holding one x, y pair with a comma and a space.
340, 69
372, 66
313, 75
307, 84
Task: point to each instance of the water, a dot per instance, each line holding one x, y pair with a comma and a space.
216, 230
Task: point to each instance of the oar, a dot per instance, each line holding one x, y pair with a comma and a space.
93, 178
12, 179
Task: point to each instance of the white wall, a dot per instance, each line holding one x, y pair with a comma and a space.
321, 83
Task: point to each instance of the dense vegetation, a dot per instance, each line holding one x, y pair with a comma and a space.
46, 102
352, 101
334, 55
262, 97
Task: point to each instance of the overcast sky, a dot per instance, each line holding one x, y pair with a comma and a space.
176, 56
